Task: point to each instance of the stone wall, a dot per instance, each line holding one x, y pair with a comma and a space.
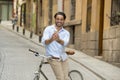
88, 43
111, 44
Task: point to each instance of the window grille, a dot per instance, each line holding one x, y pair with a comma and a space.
50, 12
115, 13
39, 7
88, 20
73, 7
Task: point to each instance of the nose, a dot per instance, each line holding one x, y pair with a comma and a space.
59, 20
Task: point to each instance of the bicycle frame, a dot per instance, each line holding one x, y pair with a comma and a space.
43, 62
40, 69
40, 66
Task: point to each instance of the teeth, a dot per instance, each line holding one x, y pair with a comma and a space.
59, 23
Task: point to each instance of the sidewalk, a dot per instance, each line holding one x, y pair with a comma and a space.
100, 68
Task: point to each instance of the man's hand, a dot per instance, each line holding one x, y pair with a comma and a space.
56, 37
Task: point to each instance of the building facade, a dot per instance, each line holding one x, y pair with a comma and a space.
95, 27
94, 24
6, 9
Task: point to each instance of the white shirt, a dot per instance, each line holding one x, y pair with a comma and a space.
54, 48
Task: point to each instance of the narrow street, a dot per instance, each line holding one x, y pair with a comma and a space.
20, 64
94, 27
17, 63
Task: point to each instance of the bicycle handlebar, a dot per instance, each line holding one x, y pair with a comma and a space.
38, 54
32, 51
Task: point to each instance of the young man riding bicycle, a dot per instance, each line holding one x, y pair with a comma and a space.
55, 38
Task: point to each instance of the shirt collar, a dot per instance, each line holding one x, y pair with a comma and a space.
55, 28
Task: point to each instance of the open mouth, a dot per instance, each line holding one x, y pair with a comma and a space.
59, 23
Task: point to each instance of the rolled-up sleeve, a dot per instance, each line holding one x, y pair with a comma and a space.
45, 36
66, 38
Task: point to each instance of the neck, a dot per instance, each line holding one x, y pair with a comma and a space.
58, 28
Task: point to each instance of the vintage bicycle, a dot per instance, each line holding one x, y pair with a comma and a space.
40, 75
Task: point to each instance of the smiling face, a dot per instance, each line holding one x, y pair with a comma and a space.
59, 20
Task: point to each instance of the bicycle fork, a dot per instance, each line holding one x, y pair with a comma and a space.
39, 72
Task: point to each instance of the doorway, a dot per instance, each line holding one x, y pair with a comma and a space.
72, 36
100, 40
5, 10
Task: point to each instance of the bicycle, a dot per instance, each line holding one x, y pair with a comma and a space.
73, 74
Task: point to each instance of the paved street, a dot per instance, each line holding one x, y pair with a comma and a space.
17, 63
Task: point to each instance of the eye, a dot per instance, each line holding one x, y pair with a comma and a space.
59, 19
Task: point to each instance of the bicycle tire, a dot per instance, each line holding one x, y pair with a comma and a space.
36, 78
75, 75
40, 77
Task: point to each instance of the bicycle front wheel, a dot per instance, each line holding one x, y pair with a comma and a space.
36, 78
75, 75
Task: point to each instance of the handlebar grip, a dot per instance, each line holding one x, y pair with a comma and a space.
36, 53
32, 51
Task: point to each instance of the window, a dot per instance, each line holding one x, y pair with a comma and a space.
73, 6
50, 11
88, 20
115, 13
72, 34
40, 7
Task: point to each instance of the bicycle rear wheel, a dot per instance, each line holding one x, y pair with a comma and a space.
75, 75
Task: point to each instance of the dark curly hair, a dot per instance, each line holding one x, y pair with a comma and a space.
60, 13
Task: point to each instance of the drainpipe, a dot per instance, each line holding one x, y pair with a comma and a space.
63, 5
60, 5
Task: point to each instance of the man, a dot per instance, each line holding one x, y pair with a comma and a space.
56, 38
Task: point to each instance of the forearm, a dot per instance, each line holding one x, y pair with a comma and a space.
48, 41
60, 41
